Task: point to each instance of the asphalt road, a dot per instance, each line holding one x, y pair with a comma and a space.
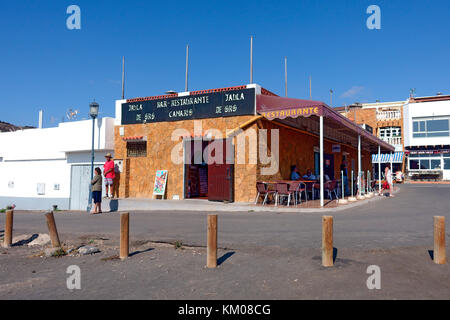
402, 221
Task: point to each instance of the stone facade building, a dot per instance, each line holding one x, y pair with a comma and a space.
183, 132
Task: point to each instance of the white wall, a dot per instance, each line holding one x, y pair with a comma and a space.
46, 156
422, 110
52, 143
27, 174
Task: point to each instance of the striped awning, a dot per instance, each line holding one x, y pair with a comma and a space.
397, 157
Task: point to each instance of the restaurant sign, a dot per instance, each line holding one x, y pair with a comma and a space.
202, 106
291, 112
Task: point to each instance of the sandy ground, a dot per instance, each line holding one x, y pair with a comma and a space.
159, 271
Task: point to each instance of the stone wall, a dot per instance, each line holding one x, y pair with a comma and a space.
138, 176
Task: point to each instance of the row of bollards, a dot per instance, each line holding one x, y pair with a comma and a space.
439, 253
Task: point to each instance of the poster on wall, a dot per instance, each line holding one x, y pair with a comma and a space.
160, 183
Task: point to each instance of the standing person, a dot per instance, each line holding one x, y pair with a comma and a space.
109, 173
345, 171
96, 185
389, 180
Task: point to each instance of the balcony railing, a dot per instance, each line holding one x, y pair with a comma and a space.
393, 140
388, 115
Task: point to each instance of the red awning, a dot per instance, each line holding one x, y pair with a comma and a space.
135, 138
273, 108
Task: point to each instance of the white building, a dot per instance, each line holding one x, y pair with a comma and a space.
40, 168
427, 136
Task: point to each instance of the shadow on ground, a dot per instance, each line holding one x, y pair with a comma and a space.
223, 258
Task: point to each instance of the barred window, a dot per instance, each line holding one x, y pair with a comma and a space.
137, 149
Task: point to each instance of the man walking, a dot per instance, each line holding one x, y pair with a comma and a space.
109, 173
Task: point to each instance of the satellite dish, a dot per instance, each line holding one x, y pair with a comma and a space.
71, 114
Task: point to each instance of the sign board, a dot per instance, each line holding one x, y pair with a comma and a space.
201, 106
160, 183
336, 148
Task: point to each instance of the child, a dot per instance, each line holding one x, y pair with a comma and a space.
97, 191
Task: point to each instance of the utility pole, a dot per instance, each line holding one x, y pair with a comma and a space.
123, 77
285, 76
187, 68
251, 59
331, 98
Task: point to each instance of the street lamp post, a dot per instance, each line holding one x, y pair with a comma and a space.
93, 112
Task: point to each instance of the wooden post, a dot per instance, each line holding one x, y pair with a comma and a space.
8, 229
211, 250
52, 230
327, 241
124, 235
439, 255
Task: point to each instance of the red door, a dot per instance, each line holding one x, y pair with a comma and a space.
220, 173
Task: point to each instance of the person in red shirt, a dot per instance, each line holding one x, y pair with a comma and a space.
109, 173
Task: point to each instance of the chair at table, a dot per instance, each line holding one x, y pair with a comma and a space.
282, 190
298, 188
330, 187
263, 190
309, 186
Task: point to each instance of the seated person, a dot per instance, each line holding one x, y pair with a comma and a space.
309, 175
294, 173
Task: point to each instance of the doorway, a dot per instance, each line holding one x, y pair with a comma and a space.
196, 170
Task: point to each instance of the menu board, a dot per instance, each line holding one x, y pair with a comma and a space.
160, 183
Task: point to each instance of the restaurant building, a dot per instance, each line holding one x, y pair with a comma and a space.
216, 144
427, 142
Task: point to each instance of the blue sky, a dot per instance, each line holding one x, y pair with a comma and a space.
46, 66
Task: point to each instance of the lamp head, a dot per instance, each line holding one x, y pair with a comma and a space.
93, 109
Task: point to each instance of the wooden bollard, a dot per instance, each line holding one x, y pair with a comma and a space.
124, 235
327, 241
52, 230
7, 242
439, 255
211, 250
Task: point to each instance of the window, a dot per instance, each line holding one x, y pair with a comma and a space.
425, 162
446, 163
431, 128
390, 132
414, 164
137, 149
435, 164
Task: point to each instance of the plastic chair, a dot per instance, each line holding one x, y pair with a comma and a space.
263, 190
282, 190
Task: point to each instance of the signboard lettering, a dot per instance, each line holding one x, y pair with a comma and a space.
209, 105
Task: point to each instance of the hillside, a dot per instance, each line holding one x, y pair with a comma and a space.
8, 127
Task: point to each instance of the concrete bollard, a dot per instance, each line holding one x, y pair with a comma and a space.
211, 250
327, 241
439, 255
124, 235
52, 230
7, 242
